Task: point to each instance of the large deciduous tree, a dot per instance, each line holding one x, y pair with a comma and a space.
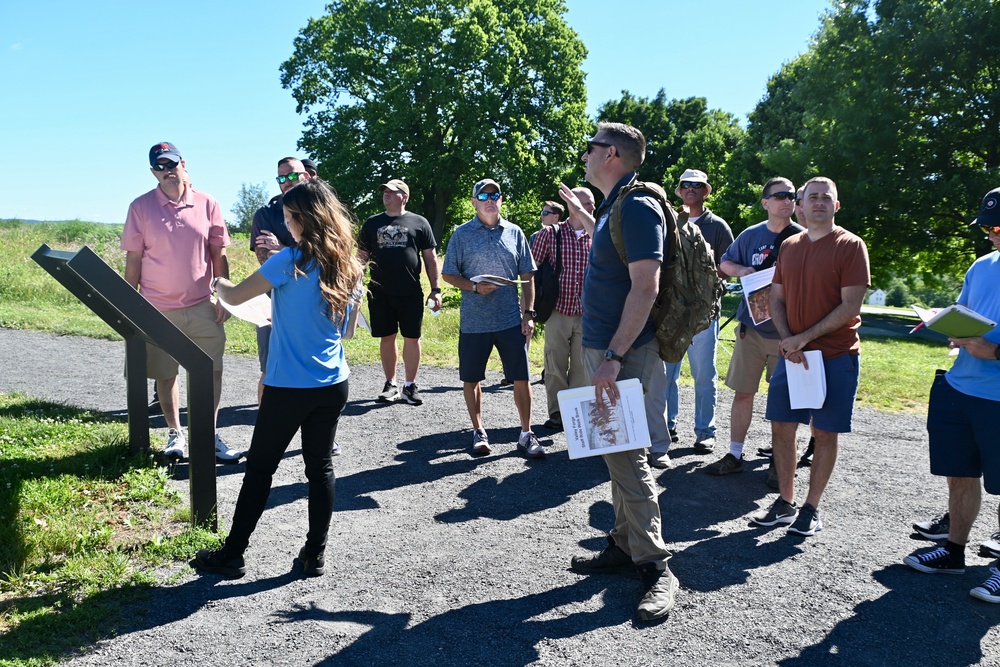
440, 94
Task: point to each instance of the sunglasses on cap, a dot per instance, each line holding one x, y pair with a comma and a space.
990, 229
165, 165
294, 176
694, 185
483, 196
781, 196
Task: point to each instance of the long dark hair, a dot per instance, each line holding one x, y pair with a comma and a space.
327, 241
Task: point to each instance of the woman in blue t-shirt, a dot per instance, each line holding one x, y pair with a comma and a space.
315, 293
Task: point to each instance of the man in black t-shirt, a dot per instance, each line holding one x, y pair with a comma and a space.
393, 243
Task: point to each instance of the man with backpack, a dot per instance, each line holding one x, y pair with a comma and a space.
619, 343
693, 189
756, 349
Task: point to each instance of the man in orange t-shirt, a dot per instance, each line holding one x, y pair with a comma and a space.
816, 295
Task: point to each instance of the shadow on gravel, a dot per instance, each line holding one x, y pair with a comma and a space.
506, 632
909, 624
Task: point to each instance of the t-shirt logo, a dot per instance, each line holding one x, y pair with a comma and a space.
391, 236
600, 223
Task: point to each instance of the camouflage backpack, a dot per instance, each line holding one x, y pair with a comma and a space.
689, 283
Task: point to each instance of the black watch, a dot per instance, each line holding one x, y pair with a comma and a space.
611, 356
996, 353
435, 290
531, 313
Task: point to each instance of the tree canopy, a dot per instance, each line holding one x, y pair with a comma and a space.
441, 95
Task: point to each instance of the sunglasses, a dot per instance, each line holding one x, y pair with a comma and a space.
483, 196
993, 229
546, 211
591, 144
691, 184
294, 176
165, 166
781, 196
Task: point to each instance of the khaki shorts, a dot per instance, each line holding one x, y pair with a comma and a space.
751, 355
198, 323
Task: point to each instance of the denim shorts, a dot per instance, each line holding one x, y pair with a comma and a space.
841, 387
963, 434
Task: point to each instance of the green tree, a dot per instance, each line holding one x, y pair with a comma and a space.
440, 94
248, 200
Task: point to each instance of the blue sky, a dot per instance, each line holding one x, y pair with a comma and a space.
88, 87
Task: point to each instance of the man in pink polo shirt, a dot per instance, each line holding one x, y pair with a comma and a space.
175, 243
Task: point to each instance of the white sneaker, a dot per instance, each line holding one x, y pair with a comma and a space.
224, 453
176, 445
336, 449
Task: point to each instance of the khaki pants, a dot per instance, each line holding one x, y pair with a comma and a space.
637, 529
563, 356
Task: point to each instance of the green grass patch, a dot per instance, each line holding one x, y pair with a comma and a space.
83, 524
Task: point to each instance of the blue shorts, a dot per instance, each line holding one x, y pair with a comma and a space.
841, 387
474, 351
963, 434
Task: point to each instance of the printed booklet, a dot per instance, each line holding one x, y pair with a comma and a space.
955, 321
496, 280
757, 292
594, 428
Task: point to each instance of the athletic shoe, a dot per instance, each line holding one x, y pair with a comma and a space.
661, 587
311, 566
780, 513
506, 383
807, 523
220, 562
935, 529
176, 445
610, 561
411, 395
727, 465
480, 443
335, 451
936, 561
806, 460
154, 405
658, 460
554, 422
673, 435
528, 445
390, 393
989, 591
704, 443
766, 452
224, 453
772, 476
991, 547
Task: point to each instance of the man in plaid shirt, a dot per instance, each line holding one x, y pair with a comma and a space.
564, 328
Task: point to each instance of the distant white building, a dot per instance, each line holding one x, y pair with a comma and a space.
877, 298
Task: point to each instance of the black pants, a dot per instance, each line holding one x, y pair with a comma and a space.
282, 412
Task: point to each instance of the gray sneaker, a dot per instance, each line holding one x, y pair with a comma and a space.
727, 465
610, 561
176, 445
658, 460
480, 443
529, 446
390, 393
661, 587
224, 453
704, 443
807, 523
780, 513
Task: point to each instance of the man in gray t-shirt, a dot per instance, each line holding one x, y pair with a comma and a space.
492, 316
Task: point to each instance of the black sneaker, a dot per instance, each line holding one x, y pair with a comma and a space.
989, 591
991, 547
934, 529
390, 392
806, 460
936, 561
727, 465
780, 513
610, 561
661, 587
411, 395
220, 562
807, 523
311, 566
766, 452
673, 435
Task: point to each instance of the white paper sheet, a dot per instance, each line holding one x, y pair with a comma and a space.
807, 388
256, 311
592, 429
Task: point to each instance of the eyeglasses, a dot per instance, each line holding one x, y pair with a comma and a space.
294, 176
546, 211
694, 185
994, 229
165, 166
781, 196
483, 196
591, 144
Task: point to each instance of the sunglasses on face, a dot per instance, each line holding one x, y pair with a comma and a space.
591, 144
294, 176
692, 185
163, 166
545, 211
483, 196
781, 196
994, 229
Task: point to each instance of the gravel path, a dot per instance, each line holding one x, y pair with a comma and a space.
437, 558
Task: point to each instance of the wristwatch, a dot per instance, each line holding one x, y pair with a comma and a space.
435, 290
996, 353
611, 356
531, 313
475, 287
214, 283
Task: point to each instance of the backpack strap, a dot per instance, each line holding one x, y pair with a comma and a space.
790, 230
671, 235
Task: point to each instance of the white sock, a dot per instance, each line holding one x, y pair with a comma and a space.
736, 449
407, 384
524, 433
